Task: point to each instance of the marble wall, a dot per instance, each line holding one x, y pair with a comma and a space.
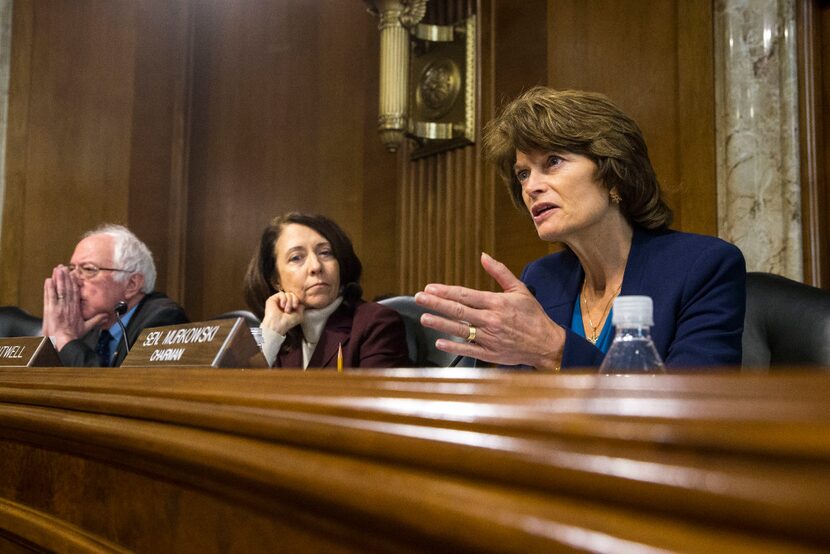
759, 206
5, 59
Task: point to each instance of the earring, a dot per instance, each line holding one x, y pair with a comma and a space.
615, 196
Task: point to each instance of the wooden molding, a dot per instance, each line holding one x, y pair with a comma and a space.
14, 212
154, 459
811, 143
177, 225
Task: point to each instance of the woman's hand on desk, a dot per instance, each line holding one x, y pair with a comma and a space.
510, 327
283, 311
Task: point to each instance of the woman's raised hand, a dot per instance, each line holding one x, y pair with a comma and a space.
283, 311
507, 328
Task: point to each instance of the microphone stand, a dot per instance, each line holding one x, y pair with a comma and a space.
121, 309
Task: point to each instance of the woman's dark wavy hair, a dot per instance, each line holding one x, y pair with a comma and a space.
262, 278
585, 123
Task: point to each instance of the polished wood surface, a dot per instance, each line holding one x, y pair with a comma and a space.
210, 460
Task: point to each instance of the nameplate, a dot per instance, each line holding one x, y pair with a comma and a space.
28, 352
219, 343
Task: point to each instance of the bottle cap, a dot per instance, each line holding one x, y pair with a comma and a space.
633, 310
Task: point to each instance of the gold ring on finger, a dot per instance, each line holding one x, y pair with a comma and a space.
471, 336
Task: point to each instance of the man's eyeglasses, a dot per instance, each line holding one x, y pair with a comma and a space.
88, 271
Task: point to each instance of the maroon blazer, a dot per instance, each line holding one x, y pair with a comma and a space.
372, 336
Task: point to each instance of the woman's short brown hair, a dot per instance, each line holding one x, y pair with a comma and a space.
585, 123
261, 276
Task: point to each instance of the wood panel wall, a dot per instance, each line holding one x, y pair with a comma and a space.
442, 199
824, 203
283, 118
519, 62
442, 220
194, 123
452, 207
90, 124
653, 58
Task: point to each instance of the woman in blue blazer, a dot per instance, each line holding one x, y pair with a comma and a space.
580, 167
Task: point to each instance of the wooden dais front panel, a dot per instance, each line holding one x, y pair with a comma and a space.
164, 460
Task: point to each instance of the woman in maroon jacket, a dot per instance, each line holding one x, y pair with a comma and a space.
303, 282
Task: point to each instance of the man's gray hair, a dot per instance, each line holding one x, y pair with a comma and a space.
130, 254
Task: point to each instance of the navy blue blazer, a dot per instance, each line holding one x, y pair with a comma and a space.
697, 284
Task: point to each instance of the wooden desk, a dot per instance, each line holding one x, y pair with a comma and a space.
152, 460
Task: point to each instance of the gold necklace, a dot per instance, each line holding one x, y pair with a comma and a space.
594, 335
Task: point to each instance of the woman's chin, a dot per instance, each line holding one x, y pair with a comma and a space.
548, 235
318, 303
549, 231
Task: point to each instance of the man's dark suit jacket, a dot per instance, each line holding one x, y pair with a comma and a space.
372, 336
697, 284
154, 310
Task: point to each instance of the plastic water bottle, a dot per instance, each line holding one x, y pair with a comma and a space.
632, 350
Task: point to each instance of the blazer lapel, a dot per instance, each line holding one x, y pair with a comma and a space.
336, 333
560, 305
636, 264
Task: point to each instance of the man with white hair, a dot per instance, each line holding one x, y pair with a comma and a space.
110, 265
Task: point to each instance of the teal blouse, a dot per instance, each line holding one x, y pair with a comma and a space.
605, 337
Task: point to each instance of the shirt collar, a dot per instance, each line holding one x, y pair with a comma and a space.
314, 321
